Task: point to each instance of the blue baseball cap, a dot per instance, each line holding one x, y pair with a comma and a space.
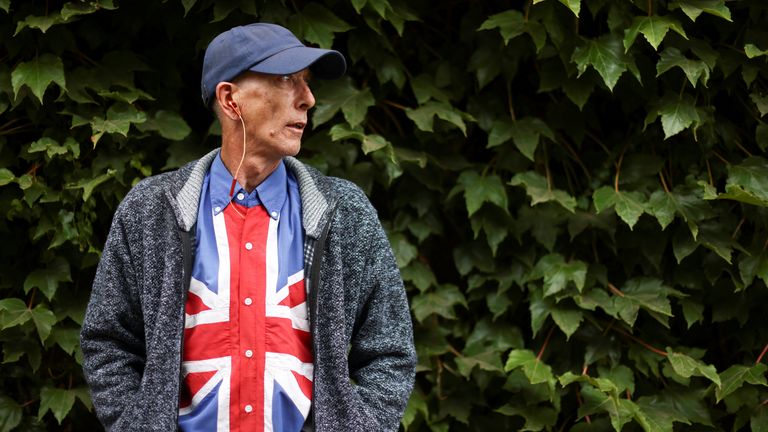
265, 48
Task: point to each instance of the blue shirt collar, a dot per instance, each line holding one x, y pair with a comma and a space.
271, 193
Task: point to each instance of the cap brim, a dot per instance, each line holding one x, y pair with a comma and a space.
323, 63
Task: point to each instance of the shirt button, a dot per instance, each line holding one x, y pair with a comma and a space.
274, 214
240, 196
249, 245
217, 209
248, 408
248, 301
248, 353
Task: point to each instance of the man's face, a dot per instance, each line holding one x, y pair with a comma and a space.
274, 109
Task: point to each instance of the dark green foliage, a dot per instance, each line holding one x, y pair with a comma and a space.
576, 192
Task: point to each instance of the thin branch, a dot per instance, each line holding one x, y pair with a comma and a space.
576, 157
738, 144
709, 172
618, 170
762, 354
646, 345
720, 157
509, 102
392, 117
546, 167
615, 290
454, 351
738, 227
663, 182
599, 142
546, 342
394, 104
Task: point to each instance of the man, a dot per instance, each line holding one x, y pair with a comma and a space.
246, 291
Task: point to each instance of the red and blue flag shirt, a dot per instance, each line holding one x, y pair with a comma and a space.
247, 359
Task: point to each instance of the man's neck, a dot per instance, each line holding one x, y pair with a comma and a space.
254, 169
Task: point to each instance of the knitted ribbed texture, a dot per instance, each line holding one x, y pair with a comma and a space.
132, 333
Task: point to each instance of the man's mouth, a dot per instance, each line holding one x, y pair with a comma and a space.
299, 126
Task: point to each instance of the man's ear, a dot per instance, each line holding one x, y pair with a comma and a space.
225, 100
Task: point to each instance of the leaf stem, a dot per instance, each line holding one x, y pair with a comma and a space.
576, 157
618, 170
394, 104
738, 227
709, 172
546, 167
762, 354
646, 345
509, 102
599, 142
454, 351
720, 157
738, 144
663, 182
650, 7
31, 298
615, 290
546, 342
394, 120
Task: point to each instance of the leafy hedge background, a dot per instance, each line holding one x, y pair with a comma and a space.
576, 192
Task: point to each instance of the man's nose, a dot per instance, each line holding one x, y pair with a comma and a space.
306, 99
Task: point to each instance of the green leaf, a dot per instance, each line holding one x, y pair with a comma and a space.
753, 51
481, 189
694, 8
677, 115
735, 376
38, 74
48, 145
654, 28
687, 366
44, 320
441, 302
10, 410
573, 5
425, 114
318, 25
761, 137
341, 95
48, 279
5, 5
419, 275
557, 273
88, 185
13, 312
525, 132
487, 361
629, 205
537, 188
168, 124
510, 23
761, 101
748, 182
424, 89
536, 417
118, 120
58, 401
6, 176
13, 350
568, 320
606, 56
662, 206
534, 369
188, 5
694, 70
759, 421
621, 411
645, 293
751, 266
42, 23
369, 143
66, 338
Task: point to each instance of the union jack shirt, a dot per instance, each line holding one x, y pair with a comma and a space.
247, 359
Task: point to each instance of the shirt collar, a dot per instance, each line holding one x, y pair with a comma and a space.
271, 193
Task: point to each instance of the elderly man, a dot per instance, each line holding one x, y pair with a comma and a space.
246, 291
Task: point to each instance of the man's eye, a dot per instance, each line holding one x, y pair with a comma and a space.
285, 78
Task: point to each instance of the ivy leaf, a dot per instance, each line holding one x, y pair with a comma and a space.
573, 5
13, 312
662, 206
678, 114
511, 24
525, 133
424, 89
340, 95
5, 5
629, 205
621, 411
752, 51
759, 421
606, 56
753, 265
49, 146
645, 293
536, 417
118, 120
424, 115
694, 70
369, 143
48, 279
735, 376
748, 182
168, 124
694, 8
10, 411
44, 320
14, 349
42, 23
38, 74
557, 273
58, 401
534, 369
318, 25
441, 302
761, 102
188, 5
89, 184
687, 367
761, 137
480, 189
405, 252
6, 176
654, 28
487, 361
537, 188
66, 338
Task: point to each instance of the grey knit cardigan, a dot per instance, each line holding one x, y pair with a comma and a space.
360, 322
